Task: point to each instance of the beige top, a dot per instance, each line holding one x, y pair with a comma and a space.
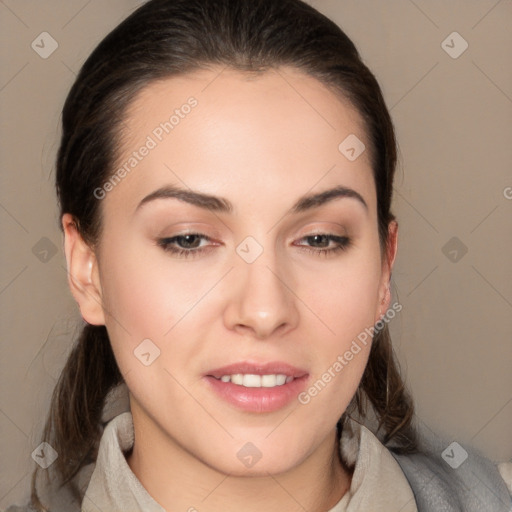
378, 483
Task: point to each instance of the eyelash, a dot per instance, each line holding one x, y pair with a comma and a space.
166, 244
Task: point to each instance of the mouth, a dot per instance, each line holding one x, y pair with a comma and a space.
257, 387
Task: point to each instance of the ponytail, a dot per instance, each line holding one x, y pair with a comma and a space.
74, 426
384, 389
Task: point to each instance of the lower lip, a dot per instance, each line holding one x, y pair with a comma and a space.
258, 399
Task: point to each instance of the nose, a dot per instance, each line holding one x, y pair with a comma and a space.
261, 301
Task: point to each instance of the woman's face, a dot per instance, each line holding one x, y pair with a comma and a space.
226, 266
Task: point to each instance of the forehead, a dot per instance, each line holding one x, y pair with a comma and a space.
221, 131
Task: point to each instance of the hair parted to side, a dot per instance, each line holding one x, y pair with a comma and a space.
166, 38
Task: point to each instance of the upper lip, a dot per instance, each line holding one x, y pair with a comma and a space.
246, 367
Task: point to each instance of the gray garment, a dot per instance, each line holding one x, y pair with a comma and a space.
474, 486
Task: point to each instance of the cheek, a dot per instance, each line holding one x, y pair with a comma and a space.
147, 296
144, 306
134, 298
344, 296
145, 292
345, 302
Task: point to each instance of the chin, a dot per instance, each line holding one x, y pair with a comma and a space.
243, 459
260, 468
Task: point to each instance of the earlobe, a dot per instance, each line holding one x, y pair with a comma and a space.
83, 276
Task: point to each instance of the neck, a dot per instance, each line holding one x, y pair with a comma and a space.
178, 480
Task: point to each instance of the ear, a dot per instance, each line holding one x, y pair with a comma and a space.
83, 275
387, 267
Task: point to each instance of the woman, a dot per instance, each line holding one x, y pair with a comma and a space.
225, 180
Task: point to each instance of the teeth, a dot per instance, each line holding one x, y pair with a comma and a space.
257, 381
252, 381
237, 379
268, 381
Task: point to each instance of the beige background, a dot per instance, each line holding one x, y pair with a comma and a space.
453, 118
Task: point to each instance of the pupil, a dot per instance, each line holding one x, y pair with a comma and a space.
189, 241
320, 239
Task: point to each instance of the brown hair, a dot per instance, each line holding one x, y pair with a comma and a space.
165, 38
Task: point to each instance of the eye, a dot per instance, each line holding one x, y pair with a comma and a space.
320, 243
187, 244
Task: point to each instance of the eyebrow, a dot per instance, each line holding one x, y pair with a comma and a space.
222, 205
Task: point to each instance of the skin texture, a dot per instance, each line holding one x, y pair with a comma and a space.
261, 143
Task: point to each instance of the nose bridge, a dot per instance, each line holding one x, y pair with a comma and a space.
262, 301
